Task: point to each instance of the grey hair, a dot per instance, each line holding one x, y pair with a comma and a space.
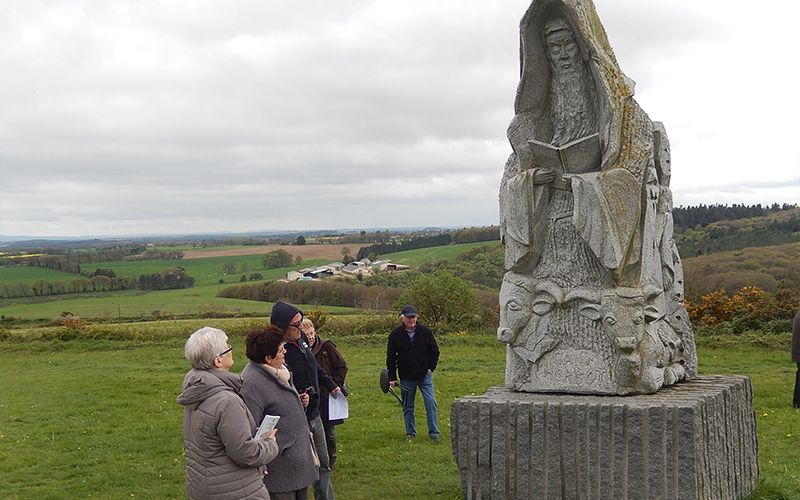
204, 345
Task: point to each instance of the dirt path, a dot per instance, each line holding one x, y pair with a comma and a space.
307, 252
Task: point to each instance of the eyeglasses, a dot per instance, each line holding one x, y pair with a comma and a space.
226, 351
296, 325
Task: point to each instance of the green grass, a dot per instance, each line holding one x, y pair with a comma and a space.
28, 274
773, 376
130, 304
205, 271
414, 258
137, 305
78, 418
98, 418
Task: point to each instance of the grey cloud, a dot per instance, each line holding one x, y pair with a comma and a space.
148, 116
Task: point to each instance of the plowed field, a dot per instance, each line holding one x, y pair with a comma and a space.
307, 252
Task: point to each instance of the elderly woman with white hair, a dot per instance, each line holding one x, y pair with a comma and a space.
223, 459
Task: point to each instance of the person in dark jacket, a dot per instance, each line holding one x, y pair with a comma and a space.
332, 361
796, 357
267, 390
223, 460
308, 376
413, 354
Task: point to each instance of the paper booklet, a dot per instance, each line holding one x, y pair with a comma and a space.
577, 157
269, 423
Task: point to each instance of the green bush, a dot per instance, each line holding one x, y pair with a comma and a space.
441, 299
5, 333
367, 324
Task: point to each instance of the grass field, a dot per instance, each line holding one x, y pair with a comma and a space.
414, 258
205, 271
200, 299
131, 304
98, 419
28, 274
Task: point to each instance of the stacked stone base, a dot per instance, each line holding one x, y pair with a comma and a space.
694, 440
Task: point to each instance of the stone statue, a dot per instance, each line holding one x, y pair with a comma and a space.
592, 299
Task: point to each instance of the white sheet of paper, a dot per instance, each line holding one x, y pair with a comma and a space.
337, 407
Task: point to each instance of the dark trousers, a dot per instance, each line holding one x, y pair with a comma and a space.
797, 388
330, 440
301, 494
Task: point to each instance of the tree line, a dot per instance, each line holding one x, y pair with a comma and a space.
168, 279
703, 215
323, 293
71, 262
767, 268
723, 238
472, 235
442, 298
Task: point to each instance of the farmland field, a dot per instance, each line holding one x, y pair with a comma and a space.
206, 268
27, 274
200, 299
205, 271
130, 304
306, 252
414, 258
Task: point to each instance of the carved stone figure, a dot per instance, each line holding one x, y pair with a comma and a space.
592, 300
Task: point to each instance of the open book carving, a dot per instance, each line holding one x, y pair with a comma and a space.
576, 157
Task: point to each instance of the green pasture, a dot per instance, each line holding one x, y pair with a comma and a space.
98, 418
11, 275
137, 304
129, 304
415, 258
205, 271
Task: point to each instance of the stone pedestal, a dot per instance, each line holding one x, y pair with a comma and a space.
694, 440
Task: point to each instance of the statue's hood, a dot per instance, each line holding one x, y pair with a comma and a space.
613, 88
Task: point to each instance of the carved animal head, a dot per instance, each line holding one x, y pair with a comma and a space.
522, 298
515, 309
622, 311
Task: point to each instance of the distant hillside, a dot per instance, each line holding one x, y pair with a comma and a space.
703, 215
763, 267
775, 227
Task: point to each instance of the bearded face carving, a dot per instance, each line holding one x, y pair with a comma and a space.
571, 90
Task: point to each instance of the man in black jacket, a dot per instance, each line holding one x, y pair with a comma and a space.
413, 354
307, 377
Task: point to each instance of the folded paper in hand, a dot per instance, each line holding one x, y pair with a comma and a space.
269, 423
337, 407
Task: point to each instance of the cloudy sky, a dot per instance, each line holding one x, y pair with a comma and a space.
138, 117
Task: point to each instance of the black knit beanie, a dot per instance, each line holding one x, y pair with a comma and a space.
282, 314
